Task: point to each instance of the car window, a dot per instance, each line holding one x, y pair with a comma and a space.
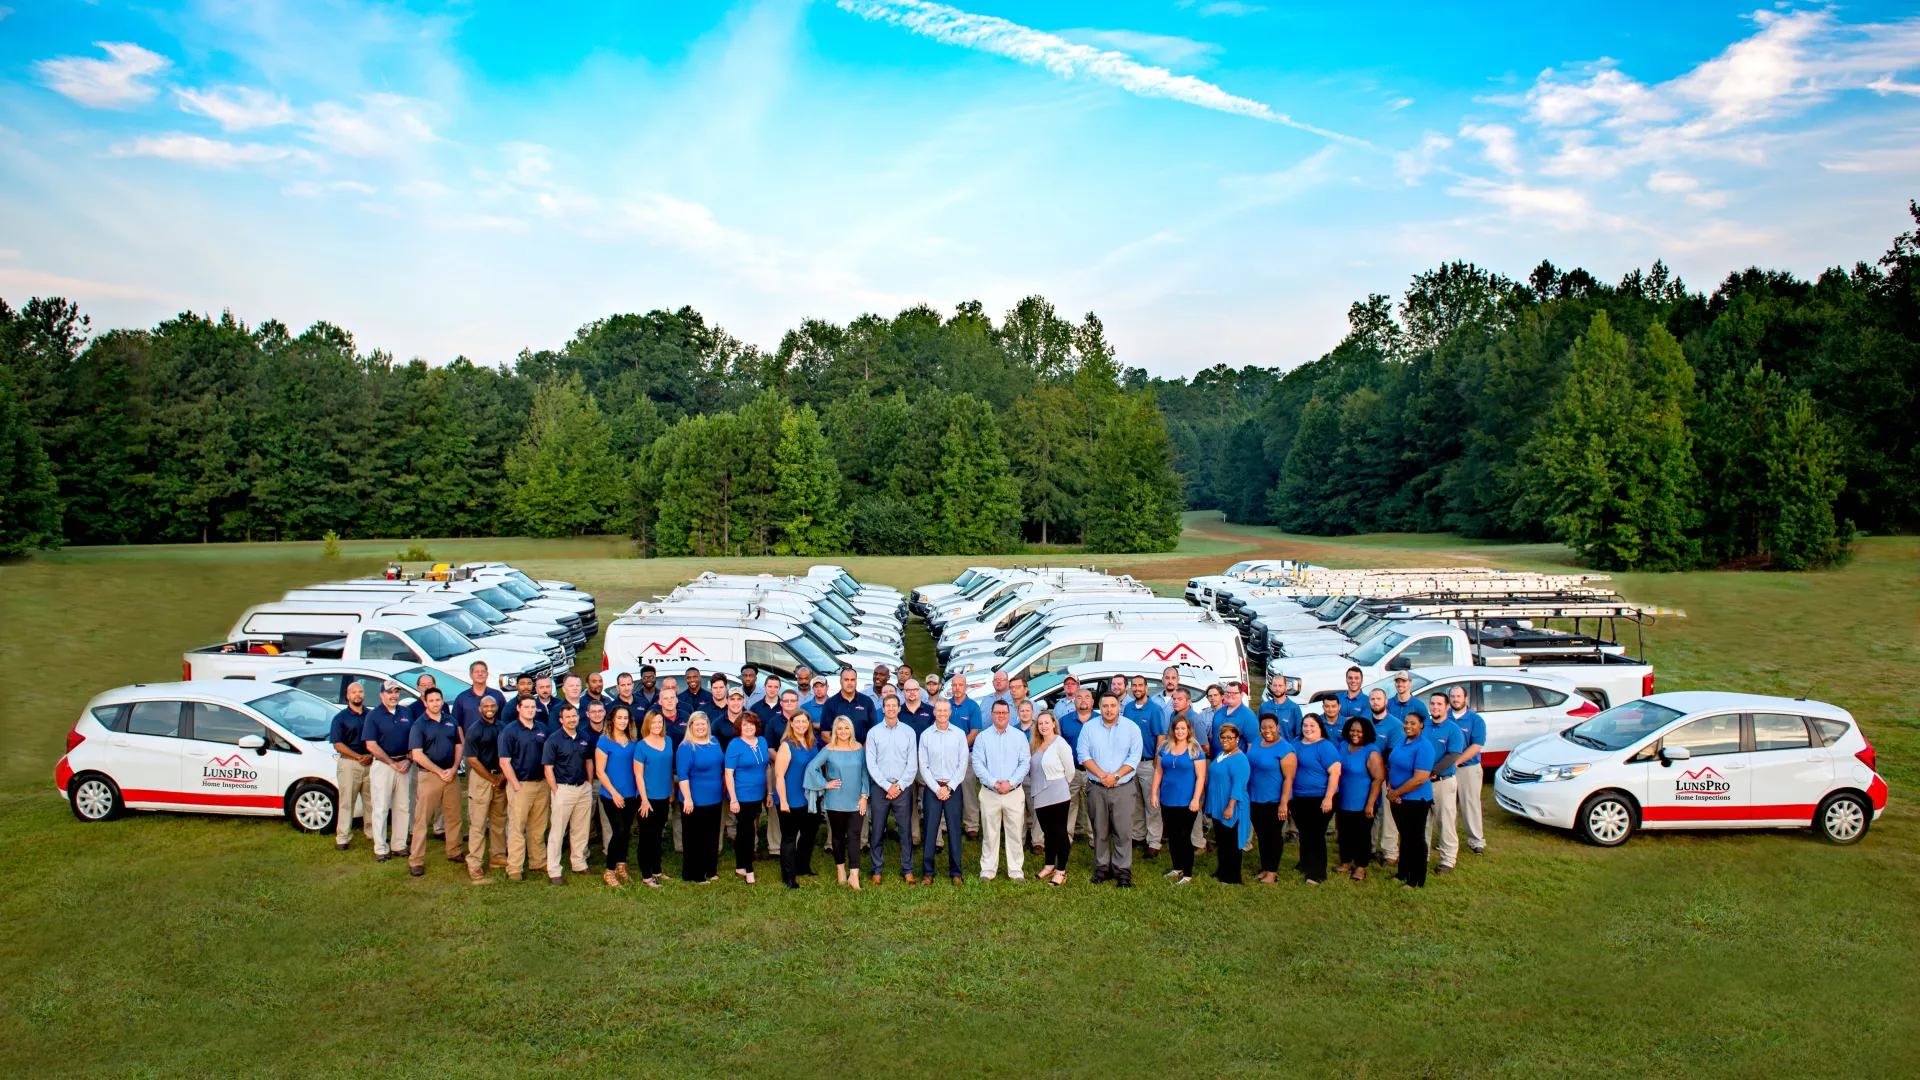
1434, 651
1830, 730
369, 685
154, 718
1779, 731
111, 717
1544, 698
217, 723
1066, 656
1707, 736
325, 687
1504, 697
380, 645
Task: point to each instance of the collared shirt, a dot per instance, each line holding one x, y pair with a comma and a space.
525, 749
892, 754
466, 705
1352, 706
1070, 723
440, 739
813, 709
1111, 748
766, 711
570, 755
966, 714
1286, 713
859, 710
943, 756
482, 739
1013, 714
389, 729
1474, 727
1242, 718
1398, 709
676, 724
348, 727
920, 717
1001, 755
1143, 714
1447, 738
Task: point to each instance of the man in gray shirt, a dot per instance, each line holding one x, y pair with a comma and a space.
893, 759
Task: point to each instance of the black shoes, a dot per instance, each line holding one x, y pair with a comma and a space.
1126, 878
556, 881
417, 871
1100, 874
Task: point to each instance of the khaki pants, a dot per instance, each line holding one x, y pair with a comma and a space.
1146, 817
772, 816
1002, 815
351, 778
1446, 812
1386, 832
486, 821
1470, 778
526, 824
431, 793
1077, 816
392, 804
970, 799
572, 813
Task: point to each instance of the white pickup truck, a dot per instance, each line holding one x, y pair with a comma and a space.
414, 639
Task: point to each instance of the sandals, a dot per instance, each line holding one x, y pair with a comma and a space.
612, 879
621, 870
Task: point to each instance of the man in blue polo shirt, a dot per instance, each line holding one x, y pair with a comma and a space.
968, 717
1402, 700
522, 747
390, 776
1145, 715
1233, 710
1073, 714
434, 745
647, 693
1352, 701
767, 707
813, 699
421, 685
568, 759
350, 770
1448, 742
1473, 728
1280, 705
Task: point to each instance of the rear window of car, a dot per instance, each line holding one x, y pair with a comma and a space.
1830, 730
111, 717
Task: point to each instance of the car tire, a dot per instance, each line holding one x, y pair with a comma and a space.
1843, 818
311, 807
1607, 819
94, 797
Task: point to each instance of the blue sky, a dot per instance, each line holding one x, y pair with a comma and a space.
1217, 179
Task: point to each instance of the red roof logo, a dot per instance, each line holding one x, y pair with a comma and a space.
1704, 772
679, 646
233, 762
1182, 651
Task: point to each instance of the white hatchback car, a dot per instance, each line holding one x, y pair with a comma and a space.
227, 746
1699, 760
1518, 706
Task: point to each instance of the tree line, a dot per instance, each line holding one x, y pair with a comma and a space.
1647, 425
920, 433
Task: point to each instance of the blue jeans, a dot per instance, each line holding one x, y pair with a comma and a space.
934, 810
879, 809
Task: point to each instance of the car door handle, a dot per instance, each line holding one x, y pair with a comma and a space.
1731, 765
121, 740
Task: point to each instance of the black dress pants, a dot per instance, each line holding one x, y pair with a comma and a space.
651, 829
1311, 822
1270, 833
798, 832
620, 840
1177, 822
1227, 845
700, 836
1410, 817
1355, 830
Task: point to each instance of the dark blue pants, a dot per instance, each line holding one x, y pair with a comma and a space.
935, 811
879, 809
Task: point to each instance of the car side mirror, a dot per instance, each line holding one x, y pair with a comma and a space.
255, 743
1399, 663
1671, 754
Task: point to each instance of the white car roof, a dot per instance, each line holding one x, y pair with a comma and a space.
1469, 671
1697, 701
237, 691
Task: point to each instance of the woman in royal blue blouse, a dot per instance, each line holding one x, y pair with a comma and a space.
653, 756
1316, 773
1270, 764
1361, 772
619, 791
700, 765
799, 826
746, 790
1178, 787
1227, 803
1410, 791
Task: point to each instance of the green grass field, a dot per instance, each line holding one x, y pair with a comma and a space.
176, 945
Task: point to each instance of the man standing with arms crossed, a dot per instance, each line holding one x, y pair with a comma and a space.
522, 747
350, 772
1110, 748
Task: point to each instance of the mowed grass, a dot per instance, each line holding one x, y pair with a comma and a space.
177, 945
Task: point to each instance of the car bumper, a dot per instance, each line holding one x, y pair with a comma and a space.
1556, 803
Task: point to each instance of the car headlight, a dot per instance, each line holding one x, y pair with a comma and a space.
961, 635
1562, 772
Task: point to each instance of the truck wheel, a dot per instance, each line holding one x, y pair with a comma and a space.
311, 807
94, 797
1843, 818
1606, 819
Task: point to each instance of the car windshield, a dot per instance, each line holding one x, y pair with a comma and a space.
1377, 649
499, 598
300, 713
811, 654
1001, 603
441, 677
439, 641
465, 623
1622, 725
518, 589
482, 610
832, 631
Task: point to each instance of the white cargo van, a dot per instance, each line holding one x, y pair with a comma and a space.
272, 637
771, 645
1123, 638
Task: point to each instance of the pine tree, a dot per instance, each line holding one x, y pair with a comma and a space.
1302, 496
975, 500
1134, 504
29, 495
563, 478
808, 516
1804, 476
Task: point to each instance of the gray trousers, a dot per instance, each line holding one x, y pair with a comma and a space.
1111, 809
879, 808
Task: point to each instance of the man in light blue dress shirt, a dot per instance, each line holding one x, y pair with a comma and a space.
1110, 748
893, 758
944, 759
1000, 760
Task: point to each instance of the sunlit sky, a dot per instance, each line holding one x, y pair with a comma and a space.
1217, 179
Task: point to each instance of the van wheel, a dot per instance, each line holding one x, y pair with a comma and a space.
1843, 818
94, 797
1606, 819
311, 807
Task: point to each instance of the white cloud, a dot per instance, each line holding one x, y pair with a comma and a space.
1498, 145
1231, 8
236, 108
1411, 165
1885, 85
386, 125
1160, 48
989, 34
113, 83
1399, 103
199, 150
1561, 207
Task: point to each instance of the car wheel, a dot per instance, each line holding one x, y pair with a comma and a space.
1606, 819
1843, 818
311, 807
94, 797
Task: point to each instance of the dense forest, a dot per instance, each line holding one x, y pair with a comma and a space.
915, 434
1648, 425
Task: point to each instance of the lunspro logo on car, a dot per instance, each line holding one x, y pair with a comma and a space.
1182, 651
679, 646
227, 770
1703, 785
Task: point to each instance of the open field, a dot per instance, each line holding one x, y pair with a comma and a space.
172, 945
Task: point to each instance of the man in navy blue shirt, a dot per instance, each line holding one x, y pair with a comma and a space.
421, 685
434, 745
466, 705
486, 793
626, 693
766, 706
350, 771
648, 692
522, 748
850, 703
390, 776
1474, 728
569, 763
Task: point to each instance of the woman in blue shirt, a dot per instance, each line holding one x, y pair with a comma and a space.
799, 826
653, 758
699, 764
1316, 773
619, 791
1410, 791
746, 790
837, 781
1227, 803
1178, 786
1361, 772
1270, 765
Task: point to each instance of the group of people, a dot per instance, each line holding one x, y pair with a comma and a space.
706, 760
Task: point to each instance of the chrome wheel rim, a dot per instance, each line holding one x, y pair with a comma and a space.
95, 799
313, 810
1609, 821
1845, 820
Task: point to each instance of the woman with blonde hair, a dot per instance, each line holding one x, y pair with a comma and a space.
837, 782
653, 760
700, 764
1179, 787
799, 826
1050, 773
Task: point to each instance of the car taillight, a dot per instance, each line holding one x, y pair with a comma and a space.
186, 671
74, 738
1866, 756
1646, 685
605, 663
1586, 709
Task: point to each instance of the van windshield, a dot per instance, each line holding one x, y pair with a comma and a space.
439, 641
831, 631
1622, 725
811, 654
499, 598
